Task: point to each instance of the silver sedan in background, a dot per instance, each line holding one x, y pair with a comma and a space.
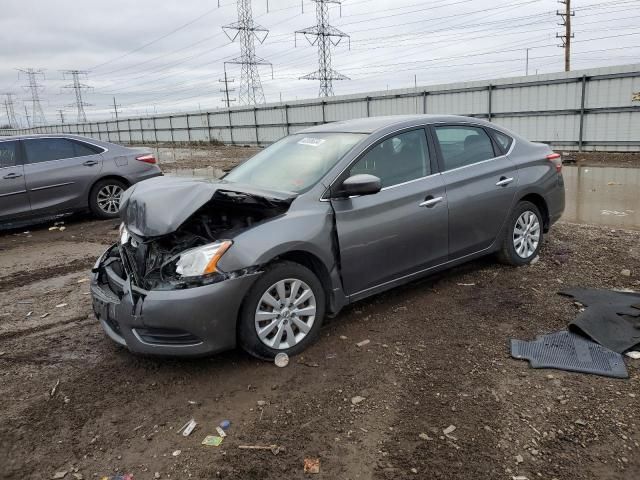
46, 176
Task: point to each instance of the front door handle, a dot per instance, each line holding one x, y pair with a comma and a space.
431, 201
12, 175
90, 163
504, 181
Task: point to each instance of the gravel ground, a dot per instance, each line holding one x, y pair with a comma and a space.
437, 357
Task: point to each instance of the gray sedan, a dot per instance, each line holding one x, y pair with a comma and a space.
45, 176
320, 219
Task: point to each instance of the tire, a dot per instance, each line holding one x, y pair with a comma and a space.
102, 197
278, 323
518, 249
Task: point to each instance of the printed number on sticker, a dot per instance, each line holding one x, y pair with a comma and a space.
312, 142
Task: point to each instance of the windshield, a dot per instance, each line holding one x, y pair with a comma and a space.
295, 163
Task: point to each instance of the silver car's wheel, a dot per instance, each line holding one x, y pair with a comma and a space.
108, 198
285, 314
526, 234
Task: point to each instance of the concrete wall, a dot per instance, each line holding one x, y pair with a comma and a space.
580, 110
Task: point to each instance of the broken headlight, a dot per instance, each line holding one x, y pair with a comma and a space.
203, 260
124, 234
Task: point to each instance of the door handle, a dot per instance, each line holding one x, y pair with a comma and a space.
90, 163
504, 181
12, 175
431, 201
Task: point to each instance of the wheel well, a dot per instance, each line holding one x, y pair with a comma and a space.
539, 202
314, 264
108, 177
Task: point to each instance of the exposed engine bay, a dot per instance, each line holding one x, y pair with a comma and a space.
153, 263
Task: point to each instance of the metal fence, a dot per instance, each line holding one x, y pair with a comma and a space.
584, 110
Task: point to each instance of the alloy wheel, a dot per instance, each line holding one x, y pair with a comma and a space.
526, 234
285, 314
108, 198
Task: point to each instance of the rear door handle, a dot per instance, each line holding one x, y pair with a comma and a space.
431, 201
12, 175
90, 163
504, 181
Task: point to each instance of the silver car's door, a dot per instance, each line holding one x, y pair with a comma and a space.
400, 230
480, 183
59, 173
14, 201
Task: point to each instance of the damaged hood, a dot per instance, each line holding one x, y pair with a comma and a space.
159, 206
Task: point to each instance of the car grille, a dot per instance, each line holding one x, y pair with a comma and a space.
166, 336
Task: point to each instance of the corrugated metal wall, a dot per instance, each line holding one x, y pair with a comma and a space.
587, 110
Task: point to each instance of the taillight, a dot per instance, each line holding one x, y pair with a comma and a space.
556, 159
147, 159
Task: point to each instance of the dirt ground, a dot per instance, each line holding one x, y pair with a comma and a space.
438, 356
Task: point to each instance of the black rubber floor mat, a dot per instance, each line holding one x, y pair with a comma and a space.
611, 319
567, 351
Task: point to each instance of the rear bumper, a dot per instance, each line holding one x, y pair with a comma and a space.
556, 201
191, 322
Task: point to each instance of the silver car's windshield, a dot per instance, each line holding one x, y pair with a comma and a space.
295, 163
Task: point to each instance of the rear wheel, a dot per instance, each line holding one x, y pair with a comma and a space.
104, 199
283, 311
523, 236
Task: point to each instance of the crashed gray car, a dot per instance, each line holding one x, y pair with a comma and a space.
47, 176
320, 219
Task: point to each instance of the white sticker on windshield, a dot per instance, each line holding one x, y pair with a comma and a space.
312, 142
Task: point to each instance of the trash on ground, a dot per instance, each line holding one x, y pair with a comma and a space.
281, 360
633, 354
53, 228
212, 441
450, 429
424, 436
29, 314
193, 402
221, 432
60, 305
187, 428
44, 315
176, 453
275, 449
311, 465
225, 424
310, 364
261, 403
357, 399
61, 474
363, 343
466, 284
568, 351
54, 389
610, 319
82, 280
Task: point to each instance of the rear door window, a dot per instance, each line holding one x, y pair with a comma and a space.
46, 149
463, 145
8, 154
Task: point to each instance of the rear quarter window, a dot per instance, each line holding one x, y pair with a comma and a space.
504, 141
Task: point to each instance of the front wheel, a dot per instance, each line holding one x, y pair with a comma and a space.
523, 236
283, 311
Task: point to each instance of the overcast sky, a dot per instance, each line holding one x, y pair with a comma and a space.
168, 56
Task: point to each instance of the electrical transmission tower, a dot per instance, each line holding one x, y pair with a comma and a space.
37, 114
326, 36
226, 90
248, 31
77, 88
566, 38
61, 113
9, 108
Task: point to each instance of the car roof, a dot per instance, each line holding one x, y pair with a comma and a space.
49, 135
373, 124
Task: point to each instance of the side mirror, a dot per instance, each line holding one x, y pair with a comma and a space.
361, 184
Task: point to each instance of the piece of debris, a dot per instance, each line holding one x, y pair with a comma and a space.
221, 432
414, 471
261, 403
281, 360
275, 449
424, 436
51, 229
635, 355
61, 305
78, 476
310, 364
580, 422
54, 389
357, 399
187, 428
450, 429
343, 337
311, 465
193, 402
225, 424
44, 315
363, 343
466, 284
519, 458
176, 453
62, 229
212, 441
61, 474
156, 475
535, 260
29, 314
82, 280
625, 272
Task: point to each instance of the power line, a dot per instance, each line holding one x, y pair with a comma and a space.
251, 92
77, 88
326, 36
566, 38
34, 88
